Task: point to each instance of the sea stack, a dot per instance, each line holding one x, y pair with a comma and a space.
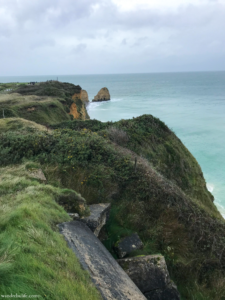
103, 95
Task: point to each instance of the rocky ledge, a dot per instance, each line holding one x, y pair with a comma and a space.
110, 279
134, 278
151, 276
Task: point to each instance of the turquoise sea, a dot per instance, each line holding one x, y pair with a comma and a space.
191, 104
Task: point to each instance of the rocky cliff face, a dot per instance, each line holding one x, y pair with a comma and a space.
78, 107
84, 96
103, 95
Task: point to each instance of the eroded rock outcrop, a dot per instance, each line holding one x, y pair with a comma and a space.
103, 95
37, 174
151, 276
84, 96
128, 245
99, 213
106, 273
78, 107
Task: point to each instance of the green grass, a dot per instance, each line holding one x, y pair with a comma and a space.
34, 257
18, 124
42, 110
12, 86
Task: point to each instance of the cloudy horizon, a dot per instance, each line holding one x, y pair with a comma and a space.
111, 36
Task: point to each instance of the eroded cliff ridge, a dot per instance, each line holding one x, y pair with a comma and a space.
103, 95
46, 102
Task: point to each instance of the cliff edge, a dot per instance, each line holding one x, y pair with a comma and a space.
46, 103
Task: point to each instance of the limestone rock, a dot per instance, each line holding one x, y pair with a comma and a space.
99, 214
84, 96
128, 245
103, 95
110, 279
37, 174
151, 276
78, 107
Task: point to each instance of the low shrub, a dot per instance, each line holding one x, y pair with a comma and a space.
117, 135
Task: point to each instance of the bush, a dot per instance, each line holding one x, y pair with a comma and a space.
118, 135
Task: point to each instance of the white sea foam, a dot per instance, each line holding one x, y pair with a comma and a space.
210, 187
93, 105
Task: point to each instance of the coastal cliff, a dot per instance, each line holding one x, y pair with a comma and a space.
46, 102
155, 186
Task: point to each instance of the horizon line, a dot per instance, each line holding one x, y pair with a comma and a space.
132, 73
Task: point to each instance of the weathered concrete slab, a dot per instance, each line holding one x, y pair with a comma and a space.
107, 275
128, 245
98, 216
151, 276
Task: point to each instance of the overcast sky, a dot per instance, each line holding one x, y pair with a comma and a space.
41, 37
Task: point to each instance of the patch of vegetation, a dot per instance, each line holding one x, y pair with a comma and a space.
77, 125
9, 87
18, 124
34, 257
50, 88
150, 138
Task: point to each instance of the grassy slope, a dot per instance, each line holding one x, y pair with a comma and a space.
45, 103
12, 124
34, 257
169, 221
152, 139
12, 86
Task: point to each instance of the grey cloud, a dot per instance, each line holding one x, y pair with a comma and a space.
50, 12
80, 48
140, 41
42, 42
52, 31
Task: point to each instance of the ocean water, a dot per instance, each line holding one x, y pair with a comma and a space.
191, 104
